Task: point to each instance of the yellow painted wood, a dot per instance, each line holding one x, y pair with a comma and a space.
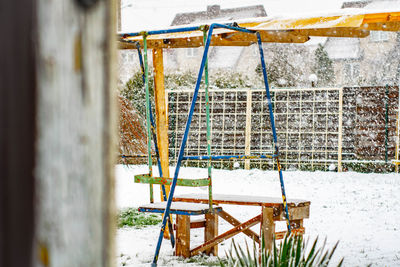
280, 30
161, 120
161, 113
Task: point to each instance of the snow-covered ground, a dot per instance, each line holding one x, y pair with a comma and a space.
362, 211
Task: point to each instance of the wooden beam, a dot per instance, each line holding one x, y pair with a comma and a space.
267, 229
230, 219
234, 231
182, 247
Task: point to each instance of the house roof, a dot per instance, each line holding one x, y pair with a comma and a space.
356, 4
343, 48
215, 13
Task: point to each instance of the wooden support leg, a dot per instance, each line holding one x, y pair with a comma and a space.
210, 232
182, 246
267, 228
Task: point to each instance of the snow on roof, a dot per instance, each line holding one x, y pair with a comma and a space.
215, 13
383, 5
225, 57
343, 48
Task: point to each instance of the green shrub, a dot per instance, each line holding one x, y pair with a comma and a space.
292, 252
225, 80
134, 91
131, 217
178, 80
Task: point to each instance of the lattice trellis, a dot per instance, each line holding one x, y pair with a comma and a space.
308, 123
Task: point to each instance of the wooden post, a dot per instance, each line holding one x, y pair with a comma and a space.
161, 113
267, 226
182, 246
76, 132
340, 130
161, 119
248, 129
211, 231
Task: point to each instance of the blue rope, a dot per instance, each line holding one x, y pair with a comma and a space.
271, 116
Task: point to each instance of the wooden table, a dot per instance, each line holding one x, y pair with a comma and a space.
271, 211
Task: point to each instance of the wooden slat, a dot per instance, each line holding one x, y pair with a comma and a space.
178, 208
230, 219
145, 178
199, 224
182, 247
195, 225
295, 213
281, 235
234, 231
241, 200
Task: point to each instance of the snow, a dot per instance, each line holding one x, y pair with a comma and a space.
225, 57
332, 167
343, 48
360, 210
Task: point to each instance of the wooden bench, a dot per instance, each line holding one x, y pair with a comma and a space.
271, 211
183, 211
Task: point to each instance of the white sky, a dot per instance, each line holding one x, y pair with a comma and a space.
138, 15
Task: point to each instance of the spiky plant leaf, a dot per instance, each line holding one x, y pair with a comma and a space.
291, 253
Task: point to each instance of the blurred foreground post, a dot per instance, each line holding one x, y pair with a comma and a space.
57, 133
